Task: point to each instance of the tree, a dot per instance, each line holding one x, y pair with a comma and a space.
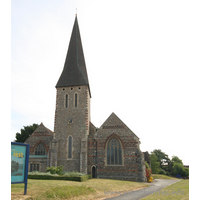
178, 169
162, 157
176, 159
25, 133
155, 165
185, 172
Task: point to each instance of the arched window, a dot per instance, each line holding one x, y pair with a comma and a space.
70, 147
40, 149
114, 152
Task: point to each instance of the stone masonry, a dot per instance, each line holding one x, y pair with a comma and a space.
72, 121
44, 136
111, 151
132, 167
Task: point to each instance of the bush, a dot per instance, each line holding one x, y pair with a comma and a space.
179, 169
150, 179
162, 171
57, 177
155, 165
185, 172
85, 177
168, 174
55, 170
52, 170
147, 165
73, 174
148, 172
42, 173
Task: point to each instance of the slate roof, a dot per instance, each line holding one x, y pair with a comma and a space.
74, 72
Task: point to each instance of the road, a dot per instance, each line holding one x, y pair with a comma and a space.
157, 185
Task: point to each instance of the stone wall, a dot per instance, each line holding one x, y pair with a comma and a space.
40, 135
132, 167
41, 161
72, 121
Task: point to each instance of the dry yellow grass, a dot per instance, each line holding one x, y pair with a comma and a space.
38, 188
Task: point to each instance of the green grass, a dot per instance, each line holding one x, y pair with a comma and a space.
67, 192
176, 191
59, 189
161, 176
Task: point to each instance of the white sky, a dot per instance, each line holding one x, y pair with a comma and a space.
142, 60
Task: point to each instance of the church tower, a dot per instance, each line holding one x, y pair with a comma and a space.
72, 115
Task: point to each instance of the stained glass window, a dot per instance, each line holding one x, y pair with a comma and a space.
40, 149
114, 152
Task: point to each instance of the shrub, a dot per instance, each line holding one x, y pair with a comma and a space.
55, 170
179, 169
162, 171
185, 172
41, 173
150, 179
73, 174
59, 169
86, 177
168, 174
147, 165
148, 172
57, 177
155, 165
148, 175
52, 170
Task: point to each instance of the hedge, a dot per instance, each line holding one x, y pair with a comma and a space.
48, 177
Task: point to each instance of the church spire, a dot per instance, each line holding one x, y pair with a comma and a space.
74, 72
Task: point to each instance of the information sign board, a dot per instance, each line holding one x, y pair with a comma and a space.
19, 163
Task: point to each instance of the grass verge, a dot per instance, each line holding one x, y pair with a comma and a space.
57, 189
161, 176
176, 191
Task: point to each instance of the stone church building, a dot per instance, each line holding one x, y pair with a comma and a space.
111, 151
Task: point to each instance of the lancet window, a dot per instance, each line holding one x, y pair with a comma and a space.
76, 100
66, 101
70, 147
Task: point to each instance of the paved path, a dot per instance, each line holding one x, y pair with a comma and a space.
157, 185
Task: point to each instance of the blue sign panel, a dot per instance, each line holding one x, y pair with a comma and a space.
19, 163
18, 155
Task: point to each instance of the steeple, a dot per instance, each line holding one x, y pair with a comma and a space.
74, 72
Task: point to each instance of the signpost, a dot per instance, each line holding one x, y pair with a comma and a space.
19, 163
